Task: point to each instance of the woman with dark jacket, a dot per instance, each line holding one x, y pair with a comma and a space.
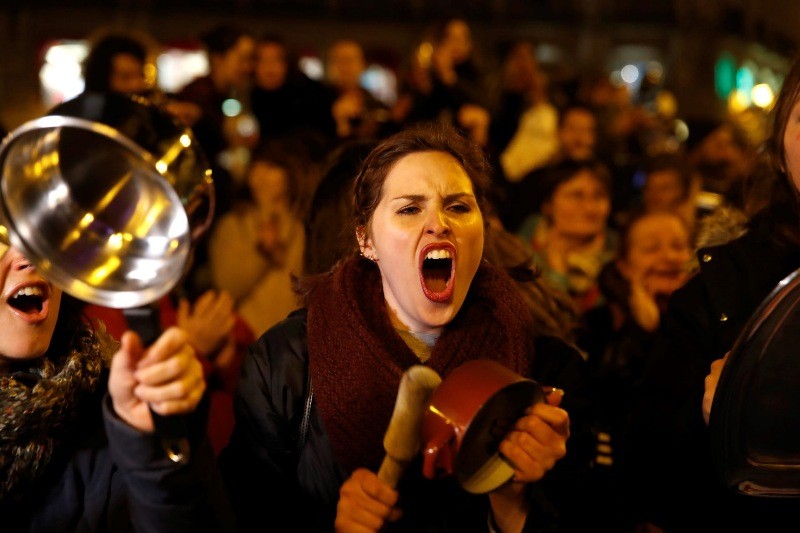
652, 261
421, 292
77, 445
681, 488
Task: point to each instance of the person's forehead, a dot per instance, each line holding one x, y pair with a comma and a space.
457, 28
270, 50
428, 169
583, 179
658, 224
244, 47
664, 175
575, 116
125, 59
346, 51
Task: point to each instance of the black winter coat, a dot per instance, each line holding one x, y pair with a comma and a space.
107, 476
677, 485
279, 481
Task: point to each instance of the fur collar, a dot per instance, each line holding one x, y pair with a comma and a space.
38, 406
721, 226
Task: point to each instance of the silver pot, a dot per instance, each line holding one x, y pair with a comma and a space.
105, 196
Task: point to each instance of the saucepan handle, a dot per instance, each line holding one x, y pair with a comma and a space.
172, 430
435, 454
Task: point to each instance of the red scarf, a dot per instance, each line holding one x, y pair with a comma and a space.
356, 358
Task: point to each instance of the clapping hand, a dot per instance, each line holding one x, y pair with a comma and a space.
208, 323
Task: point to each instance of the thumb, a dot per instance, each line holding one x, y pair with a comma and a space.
122, 383
129, 353
553, 396
122, 380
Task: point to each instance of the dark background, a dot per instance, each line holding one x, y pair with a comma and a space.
582, 36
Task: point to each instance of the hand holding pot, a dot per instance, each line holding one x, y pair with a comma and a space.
538, 439
536, 442
477, 407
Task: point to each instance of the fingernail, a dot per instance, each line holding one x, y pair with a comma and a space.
549, 391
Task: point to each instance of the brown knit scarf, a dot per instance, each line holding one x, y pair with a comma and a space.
36, 407
356, 358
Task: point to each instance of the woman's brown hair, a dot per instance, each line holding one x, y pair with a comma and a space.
425, 137
781, 212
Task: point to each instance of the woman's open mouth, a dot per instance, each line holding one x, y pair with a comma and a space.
437, 271
30, 302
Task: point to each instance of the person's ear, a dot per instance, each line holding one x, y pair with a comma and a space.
365, 244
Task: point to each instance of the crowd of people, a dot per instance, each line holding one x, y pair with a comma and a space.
483, 214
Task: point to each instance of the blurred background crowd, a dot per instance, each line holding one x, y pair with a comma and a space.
623, 136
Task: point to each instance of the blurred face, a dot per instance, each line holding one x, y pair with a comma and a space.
658, 254
345, 65
271, 67
427, 236
522, 57
458, 41
602, 93
579, 207
791, 145
719, 146
268, 185
578, 134
28, 310
127, 75
662, 191
234, 68
522, 68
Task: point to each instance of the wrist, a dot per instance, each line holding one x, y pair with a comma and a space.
124, 413
509, 507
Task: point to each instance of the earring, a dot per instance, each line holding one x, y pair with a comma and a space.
373, 259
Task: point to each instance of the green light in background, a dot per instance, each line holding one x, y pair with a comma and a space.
724, 75
745, 81
746, 77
